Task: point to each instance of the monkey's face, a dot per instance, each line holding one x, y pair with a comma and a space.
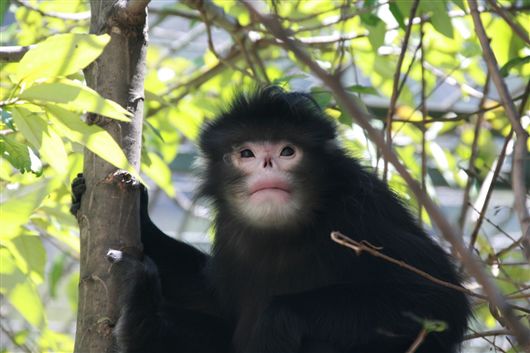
266, 194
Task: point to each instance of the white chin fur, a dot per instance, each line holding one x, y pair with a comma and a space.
270, 212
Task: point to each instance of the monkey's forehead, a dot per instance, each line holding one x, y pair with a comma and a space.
267, 115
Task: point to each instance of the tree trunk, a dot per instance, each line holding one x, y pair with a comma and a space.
108, 217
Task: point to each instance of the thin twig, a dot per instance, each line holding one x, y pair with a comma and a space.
397, 76
418, 341
14, 53
364, 246
516, 28
485, 334
494, 177
471, 169
424, 126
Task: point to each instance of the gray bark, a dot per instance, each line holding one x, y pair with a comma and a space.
108, 217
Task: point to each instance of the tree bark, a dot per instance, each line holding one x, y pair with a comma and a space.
108, 217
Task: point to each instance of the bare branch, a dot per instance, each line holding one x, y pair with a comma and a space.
13, 53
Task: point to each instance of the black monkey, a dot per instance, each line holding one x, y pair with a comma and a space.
167, 304
280, 184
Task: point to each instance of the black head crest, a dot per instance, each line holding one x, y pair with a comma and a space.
267, 114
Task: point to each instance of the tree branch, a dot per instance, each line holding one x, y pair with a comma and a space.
13, 53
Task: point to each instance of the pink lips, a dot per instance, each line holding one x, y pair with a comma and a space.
269, 184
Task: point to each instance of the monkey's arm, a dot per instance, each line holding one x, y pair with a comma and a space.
172, 257
359, 318
149, 322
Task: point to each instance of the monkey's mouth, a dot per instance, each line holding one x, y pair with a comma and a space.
273, 190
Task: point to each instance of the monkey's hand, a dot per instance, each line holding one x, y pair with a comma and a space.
139, 298
78, 189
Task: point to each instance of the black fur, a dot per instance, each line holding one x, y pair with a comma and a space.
290, 289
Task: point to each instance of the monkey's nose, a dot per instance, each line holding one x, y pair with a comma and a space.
267, 162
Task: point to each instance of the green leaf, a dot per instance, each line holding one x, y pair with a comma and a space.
42, 136
460, 4
75, 97
15, 153
56, 274
61, 55
159, 172
4, 5
505, 70
93, 137
439, 17
396, 12
72, 290
6, 118
30, 256
323, 98
20, 292
286, 79
18, 207
376, 35
363, 89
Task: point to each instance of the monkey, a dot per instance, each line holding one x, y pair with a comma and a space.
279, 183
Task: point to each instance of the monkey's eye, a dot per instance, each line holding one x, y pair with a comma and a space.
246, 153
287, 151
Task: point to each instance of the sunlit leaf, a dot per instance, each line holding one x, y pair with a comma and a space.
30, 256
19, 205
439, 16
42, 136
159, 172
16, 153
460, 4
20, 292
75, 97
505, 70
376, 34
93, 137
51, 341
72, 290
322, 97
396, 12
56, 273
362, 89
61, 55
